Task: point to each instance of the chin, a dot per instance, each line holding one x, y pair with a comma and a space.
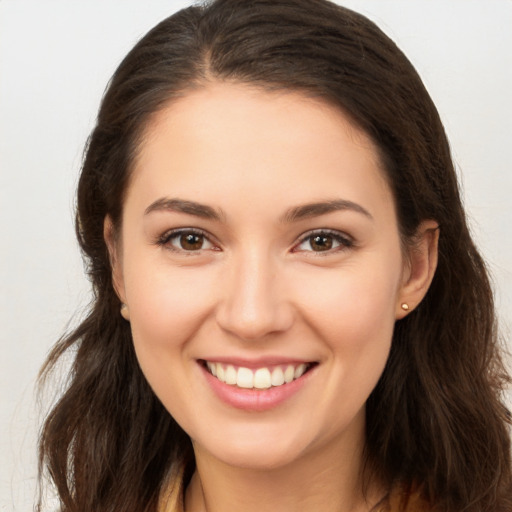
265, 446
258, 458
251, 448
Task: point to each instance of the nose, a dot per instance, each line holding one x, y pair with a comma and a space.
253, 301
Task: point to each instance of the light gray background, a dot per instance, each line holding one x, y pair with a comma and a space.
55, 59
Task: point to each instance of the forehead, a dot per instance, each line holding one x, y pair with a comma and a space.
262, 113
232, 138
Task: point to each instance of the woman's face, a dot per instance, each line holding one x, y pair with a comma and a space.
259, 242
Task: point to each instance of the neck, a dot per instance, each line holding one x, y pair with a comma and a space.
327, 479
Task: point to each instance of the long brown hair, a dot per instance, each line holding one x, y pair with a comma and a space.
436, 418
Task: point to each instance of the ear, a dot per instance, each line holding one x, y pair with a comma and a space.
419, 269
112, 243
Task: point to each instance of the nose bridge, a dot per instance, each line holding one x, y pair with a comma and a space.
254, 304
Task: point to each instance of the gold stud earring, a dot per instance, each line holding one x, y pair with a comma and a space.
124, 312
405, 306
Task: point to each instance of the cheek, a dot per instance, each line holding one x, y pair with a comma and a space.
167, 305
353, 311
355, 321
167, 308
354, 296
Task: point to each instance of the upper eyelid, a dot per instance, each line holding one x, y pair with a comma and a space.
325, 231
170, 233
340, 235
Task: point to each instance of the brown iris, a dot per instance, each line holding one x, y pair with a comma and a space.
321, 242
191, 241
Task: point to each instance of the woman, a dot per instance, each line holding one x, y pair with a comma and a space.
289, 311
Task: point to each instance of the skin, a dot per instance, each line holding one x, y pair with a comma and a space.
256, 288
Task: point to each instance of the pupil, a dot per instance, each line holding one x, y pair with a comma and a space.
191, 241
321, 243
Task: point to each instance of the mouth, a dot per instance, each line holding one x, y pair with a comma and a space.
264, 377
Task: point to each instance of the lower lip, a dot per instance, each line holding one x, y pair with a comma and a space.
256, 400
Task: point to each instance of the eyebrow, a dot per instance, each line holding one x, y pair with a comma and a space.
307, 211
294, 214
182, 206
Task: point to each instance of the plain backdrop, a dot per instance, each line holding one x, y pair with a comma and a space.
56, 57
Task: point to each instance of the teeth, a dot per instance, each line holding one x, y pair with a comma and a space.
277, 377
289, 373
245, 378
231, 375
212, 367
220, 373
299, 371
262, 378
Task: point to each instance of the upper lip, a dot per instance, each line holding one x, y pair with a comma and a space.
257, 362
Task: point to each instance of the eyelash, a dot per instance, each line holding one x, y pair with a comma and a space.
166, 238
344, 242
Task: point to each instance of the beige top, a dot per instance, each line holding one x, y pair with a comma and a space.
399, 500
172, 499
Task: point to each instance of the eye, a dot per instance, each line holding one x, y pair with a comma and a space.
186, 240
324, 241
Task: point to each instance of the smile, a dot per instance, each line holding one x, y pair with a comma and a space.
259, 378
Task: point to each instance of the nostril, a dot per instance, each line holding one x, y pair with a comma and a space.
255, 322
